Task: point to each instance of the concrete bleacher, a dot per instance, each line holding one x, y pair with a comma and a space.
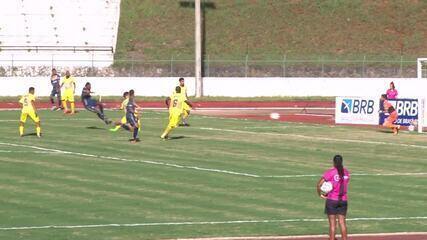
58, 32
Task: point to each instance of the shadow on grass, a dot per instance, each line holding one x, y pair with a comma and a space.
95, 128
176, 138
29, 134
385, 131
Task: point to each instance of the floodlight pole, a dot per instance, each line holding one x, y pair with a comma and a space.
198, 40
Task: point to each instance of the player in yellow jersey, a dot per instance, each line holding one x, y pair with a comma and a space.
68, 84
27, 103
186, 109
175, 104
123, 120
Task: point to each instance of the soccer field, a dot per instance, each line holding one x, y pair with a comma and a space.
219, 177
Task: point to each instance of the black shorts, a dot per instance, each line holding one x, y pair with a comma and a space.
334, 207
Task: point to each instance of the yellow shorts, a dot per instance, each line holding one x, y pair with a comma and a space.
174, 120
68, 96
186, 107
123, 120
33, 115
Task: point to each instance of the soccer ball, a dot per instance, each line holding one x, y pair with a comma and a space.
326, 187
411, 128
274, 116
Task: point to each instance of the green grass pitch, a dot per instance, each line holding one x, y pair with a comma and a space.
220, 170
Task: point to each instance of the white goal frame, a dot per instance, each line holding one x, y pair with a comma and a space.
421, 114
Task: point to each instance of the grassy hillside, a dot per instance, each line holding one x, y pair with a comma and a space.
270, 29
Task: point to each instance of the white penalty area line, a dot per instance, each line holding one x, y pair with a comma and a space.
314, 137
51, 150
310, 236
352, 174
296, 220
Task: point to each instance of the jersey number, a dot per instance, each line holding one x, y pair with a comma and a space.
26, 102
175, 102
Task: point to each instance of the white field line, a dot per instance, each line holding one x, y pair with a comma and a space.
309, 236
131, 160
71, 119
262, 108
45, 152
314, 115
51, 150
282, 127
315, 137
206, 223
205, 108
352, 174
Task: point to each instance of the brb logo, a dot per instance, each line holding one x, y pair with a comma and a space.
407, 107
356, 106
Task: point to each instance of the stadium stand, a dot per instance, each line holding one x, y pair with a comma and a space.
61, 33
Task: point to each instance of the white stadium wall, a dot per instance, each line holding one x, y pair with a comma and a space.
65, 32
231, 87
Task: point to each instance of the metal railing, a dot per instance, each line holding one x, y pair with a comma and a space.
215, 67
58, 48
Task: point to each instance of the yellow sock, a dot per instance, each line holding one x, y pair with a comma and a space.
185, 115
72, 107
38, 130
21, 130
139, 125
64, 105
166, 132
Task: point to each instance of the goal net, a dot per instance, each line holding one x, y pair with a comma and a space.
421, 67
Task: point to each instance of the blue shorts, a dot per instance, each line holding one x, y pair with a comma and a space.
55, 91
89, 103
131, 119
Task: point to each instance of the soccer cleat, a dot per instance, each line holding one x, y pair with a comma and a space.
53, 108
113, 129
165, 137
397, 130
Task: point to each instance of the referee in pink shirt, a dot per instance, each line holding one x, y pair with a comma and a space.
336, 200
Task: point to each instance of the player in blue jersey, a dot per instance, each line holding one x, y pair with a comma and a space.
132, 117
55, 80
92, 105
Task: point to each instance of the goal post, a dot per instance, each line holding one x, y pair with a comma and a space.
421, 114
421, 68
422, 110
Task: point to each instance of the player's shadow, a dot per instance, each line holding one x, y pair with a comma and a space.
95, 128
384, 131
29, 134
176, 138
